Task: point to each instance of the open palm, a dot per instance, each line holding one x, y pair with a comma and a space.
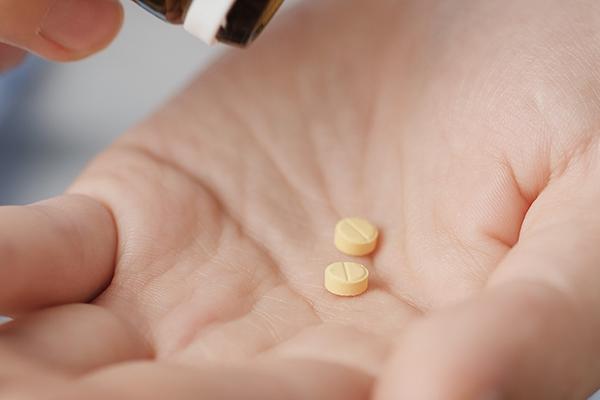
467, 131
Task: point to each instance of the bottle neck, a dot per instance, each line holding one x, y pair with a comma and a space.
236, 22
172, 11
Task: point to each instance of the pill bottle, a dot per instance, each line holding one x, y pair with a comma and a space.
235, 22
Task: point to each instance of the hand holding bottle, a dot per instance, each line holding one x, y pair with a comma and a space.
61, 30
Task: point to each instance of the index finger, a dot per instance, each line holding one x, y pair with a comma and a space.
55, 252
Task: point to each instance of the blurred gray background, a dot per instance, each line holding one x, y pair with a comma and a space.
55, 118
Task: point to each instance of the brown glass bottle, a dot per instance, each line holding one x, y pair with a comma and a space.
240, 23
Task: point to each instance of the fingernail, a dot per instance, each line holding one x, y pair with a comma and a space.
81, 25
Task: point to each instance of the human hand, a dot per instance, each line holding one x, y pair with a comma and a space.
467, 132
61, 30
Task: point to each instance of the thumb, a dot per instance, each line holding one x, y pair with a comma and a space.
60, 30
534, 332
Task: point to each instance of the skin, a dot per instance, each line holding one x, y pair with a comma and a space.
467, 132
60, 30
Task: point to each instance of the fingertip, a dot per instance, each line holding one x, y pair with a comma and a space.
75, 29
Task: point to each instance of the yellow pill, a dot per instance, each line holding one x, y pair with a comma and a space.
346, 278
355, 236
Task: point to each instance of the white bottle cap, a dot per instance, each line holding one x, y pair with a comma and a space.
204, 18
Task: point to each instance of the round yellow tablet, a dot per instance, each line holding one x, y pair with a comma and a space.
355, 236
346, 278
